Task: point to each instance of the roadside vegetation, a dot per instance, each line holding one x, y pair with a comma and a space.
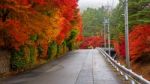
139, 32
37, 31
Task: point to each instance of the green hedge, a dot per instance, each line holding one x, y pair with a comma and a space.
28, 56
18, 60
70, 41
52, 50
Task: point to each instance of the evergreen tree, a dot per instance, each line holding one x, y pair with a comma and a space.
93, 21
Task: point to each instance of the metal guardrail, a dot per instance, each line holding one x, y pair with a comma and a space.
127, 73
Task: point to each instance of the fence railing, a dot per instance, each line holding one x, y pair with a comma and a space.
127, 73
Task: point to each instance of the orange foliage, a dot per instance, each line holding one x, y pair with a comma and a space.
17, 33
94, 41
119, 46
49, 20
139, 41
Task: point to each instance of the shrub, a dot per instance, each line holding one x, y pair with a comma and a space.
52, 50
59, 50
93, 41
70, 41
140, 41
18, 60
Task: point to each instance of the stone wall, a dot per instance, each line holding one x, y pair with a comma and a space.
4, 61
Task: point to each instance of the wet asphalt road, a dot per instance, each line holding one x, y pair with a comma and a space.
77, 67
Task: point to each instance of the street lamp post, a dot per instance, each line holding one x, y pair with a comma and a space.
127, 35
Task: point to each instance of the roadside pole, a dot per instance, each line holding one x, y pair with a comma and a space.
104, 33
127, 35
108, 24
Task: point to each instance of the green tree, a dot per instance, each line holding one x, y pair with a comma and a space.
117, 21
139, 12
93, 21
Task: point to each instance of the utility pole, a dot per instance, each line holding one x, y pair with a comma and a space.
127, 35
107, 34
104, 32
108, 25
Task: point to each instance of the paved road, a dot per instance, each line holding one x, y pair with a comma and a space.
77, 67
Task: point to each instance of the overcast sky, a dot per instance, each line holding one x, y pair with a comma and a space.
83, 4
